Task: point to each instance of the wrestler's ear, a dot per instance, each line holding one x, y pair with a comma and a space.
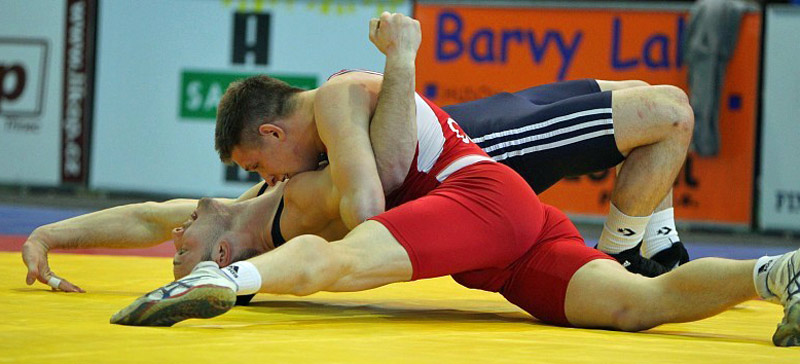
271, 130
222, 252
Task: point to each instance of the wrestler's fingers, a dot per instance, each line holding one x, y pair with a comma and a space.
31, 260
59, 284
67, 286
33, 273
37, 270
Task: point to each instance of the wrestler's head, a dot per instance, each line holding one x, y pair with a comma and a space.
211, 234
263, 126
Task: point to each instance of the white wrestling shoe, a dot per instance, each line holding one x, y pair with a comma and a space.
783, 281
206, 292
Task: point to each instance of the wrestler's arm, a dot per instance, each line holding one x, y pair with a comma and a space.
130, 226
343, 107
393, 131
138, 225
366, 160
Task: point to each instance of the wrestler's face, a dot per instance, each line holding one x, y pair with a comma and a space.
199, 237
275, 159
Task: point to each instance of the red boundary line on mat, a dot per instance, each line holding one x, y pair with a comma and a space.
13, 243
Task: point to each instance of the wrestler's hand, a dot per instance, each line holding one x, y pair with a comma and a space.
34, 254
395, 35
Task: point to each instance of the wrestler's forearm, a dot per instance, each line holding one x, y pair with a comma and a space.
393, 130
129, 226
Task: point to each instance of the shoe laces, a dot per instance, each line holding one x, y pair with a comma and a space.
166, 291
792, 285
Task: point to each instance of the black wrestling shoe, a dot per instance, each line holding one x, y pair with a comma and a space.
673, 256
635, 263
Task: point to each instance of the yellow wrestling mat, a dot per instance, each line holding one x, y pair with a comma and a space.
433, 321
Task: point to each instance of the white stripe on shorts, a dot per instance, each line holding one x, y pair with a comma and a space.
542, 124
461, 163
554, 133
556, 144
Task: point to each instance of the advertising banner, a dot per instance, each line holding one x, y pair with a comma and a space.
163, 65
779, 205
469, 52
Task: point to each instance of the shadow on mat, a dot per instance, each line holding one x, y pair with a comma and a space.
370, 312
710, 336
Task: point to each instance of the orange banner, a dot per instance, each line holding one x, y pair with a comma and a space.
473, 52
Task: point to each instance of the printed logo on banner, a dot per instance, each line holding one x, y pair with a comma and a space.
251, 38
23, 71
787, 202
78, 88
552, 51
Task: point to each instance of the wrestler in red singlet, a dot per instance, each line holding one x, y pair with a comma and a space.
459, 213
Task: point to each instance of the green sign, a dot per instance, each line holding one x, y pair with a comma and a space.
201, 90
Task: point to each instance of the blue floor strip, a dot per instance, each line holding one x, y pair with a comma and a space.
22, 220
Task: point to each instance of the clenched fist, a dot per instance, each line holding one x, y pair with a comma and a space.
395, 35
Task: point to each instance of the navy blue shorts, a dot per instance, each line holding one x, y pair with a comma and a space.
544, 133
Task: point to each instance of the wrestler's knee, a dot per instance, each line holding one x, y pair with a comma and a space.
603, 294
317, 259
674, 110
637, 306
631, 317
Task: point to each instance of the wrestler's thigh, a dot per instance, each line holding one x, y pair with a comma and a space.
374, 258
572, 137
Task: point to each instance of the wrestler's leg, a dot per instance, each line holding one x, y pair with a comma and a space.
693, 291
562, 281
643, 116
368, 257
658, 117
653, 127
661, 232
